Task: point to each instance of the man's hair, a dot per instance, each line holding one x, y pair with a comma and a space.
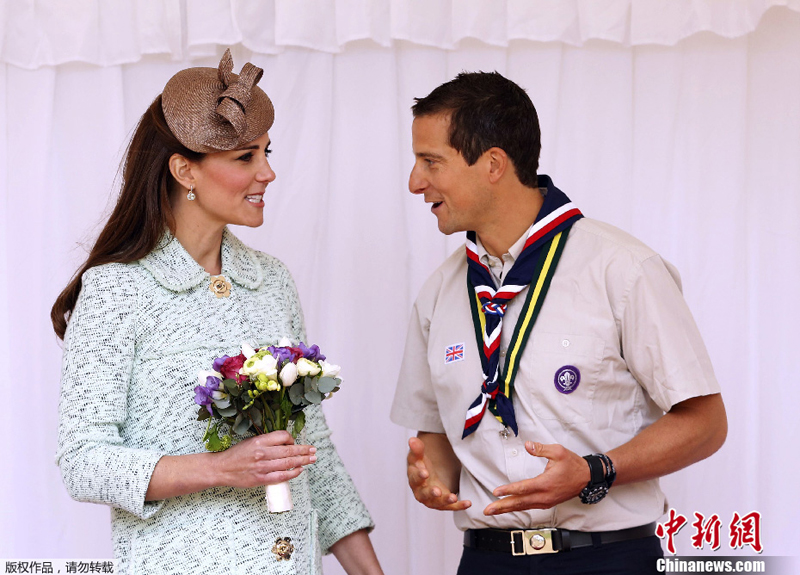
487, 110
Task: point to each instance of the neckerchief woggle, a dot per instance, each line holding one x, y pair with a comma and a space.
535, 266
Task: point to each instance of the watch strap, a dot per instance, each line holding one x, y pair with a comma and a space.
596, 469
602, 474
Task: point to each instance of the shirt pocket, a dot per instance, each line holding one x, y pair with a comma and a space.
560, 375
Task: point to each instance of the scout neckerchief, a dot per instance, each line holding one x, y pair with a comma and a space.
535, 266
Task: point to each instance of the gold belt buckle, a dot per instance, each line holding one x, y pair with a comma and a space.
534, 541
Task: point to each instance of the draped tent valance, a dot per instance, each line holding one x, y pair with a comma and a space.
687, 140
38, 33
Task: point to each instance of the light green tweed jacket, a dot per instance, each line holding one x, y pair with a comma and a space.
135, 342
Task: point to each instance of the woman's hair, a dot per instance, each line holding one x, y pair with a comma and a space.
143, 211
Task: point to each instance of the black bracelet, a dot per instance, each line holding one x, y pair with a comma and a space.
611, 472
603, 474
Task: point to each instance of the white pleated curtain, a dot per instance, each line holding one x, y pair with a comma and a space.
103, 32
676, 121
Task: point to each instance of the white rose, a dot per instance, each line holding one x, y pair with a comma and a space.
288, 374
284, 342
257, 365
329, 369
306, 367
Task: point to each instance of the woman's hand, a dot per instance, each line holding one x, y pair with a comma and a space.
262, 460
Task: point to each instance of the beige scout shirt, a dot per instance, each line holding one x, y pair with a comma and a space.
615, 311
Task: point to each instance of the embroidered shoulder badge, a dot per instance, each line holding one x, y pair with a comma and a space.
454, 352
567, 379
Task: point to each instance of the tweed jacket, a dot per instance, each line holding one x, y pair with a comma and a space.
136, 339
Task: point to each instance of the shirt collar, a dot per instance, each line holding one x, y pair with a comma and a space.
511, 255
173, 267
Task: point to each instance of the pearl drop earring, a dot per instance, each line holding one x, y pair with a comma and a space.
191, 195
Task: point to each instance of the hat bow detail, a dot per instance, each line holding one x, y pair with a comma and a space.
232, 103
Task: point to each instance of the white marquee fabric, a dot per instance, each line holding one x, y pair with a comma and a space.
688, 140
39, 33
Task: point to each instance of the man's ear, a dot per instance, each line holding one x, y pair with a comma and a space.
181, 170
498, 163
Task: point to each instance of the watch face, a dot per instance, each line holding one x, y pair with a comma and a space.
594, 494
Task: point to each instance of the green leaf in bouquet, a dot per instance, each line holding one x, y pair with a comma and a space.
296, 394
202, 414
231, 387
309, 384
210, 428
241, 425
229, 411
314, 397
213, 441
258, 417
268, 411
286, 404
326, 384
299, 423
222, 403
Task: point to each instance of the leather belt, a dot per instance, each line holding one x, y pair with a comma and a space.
548, 539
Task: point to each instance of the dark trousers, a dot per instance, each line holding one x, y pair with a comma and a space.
634, 557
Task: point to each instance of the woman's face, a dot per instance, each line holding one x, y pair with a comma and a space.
229, 186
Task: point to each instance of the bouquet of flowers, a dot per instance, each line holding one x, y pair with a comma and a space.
263, 390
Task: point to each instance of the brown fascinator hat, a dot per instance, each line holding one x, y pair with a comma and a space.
214, 110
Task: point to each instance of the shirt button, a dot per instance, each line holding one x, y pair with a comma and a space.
502, 353
565, 342
514, 452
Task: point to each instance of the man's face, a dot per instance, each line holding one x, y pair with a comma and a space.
442, 176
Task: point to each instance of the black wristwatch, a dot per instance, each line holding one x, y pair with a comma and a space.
602, 476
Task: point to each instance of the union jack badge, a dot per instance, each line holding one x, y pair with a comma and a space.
454, 353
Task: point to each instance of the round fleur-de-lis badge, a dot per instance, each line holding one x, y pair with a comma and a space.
283, 548
220, 287
567, 379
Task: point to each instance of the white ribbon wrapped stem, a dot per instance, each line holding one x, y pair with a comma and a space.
279, 497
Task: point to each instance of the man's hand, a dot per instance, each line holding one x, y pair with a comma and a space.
428, 488
563, 478
692, 430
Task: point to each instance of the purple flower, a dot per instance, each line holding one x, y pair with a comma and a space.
282, 354
203, 394
218, 363
312, 353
